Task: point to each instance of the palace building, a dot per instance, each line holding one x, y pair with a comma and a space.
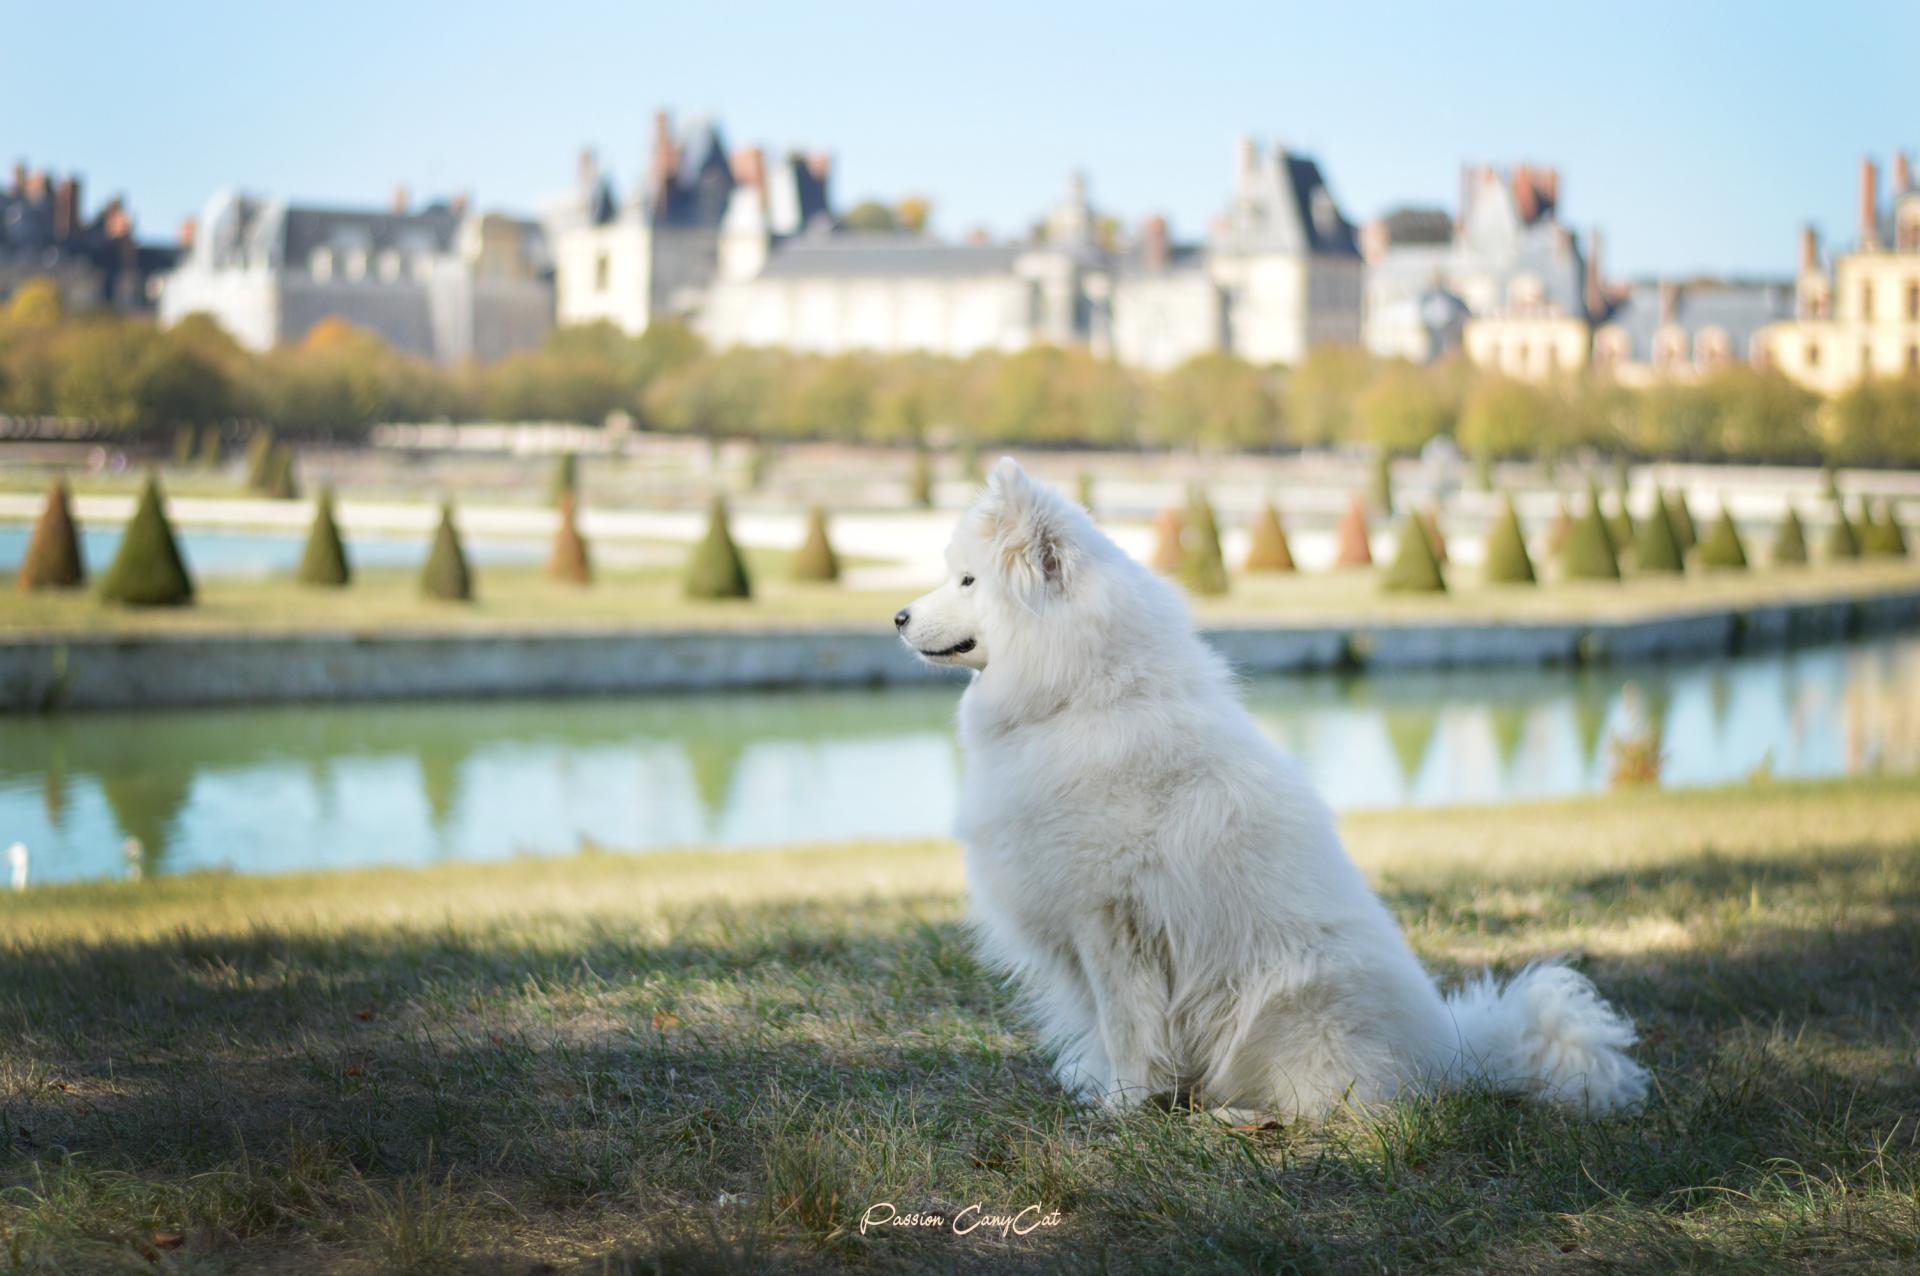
1857, 315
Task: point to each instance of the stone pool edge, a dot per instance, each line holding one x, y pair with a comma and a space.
47, 672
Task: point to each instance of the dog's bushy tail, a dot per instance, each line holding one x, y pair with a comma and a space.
1548, 1033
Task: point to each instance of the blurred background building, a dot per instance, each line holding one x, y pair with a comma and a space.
441, 281
95, 261
751, 252
1858, 315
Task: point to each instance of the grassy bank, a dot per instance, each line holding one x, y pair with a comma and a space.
521, 598
719, 1062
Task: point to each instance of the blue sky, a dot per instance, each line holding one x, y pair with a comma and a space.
1697, 135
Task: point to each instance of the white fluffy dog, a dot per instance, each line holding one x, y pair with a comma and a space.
1160, 880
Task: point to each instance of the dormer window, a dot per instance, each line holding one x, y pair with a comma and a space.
320, 265
391, 267
356, 263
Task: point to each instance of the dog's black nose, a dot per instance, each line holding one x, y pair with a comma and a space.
900, 618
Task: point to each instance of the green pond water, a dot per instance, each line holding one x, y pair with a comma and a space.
302, 787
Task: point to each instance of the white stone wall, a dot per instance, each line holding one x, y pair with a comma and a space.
957, 316
604, 272
1161, 321
244, 301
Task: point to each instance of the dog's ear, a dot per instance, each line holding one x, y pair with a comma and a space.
1029, 529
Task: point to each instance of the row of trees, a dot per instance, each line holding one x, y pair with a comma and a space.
127, 373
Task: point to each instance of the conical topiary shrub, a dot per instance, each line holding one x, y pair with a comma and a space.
1414, 569
1620, 525
53, 559
1683, 529
1352, 541
281, 485
183, 446
1506, 561
1790, 541
1430, 524
1829, 483
1841, 543
1720, 549
815, 559
716, 569
1863, 533
446, 575
260, 449
1268, 549
1656, 547
1380, 494
1588, 553
1167, 551
565, 479
148, 570
209, 454
1203, 570
323, 564
1880, 535
1559, 529
1598, 504
568, 560
1083, 489
920, 481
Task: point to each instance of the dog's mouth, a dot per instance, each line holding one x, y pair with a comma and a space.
958, 649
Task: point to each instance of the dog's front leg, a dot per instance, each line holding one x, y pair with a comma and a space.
1128, 970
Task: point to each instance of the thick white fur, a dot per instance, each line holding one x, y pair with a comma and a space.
1162, 883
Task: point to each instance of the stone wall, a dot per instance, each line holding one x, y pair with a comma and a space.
103, 672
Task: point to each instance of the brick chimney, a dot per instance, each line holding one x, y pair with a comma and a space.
1902, 175
820, 164
400, 198
749, 166
1526, 196
1869, 203
116, 220
1154, 247
38, 182
1809, 249
666, 156
459, 203
188, 229
19, 177
66, 208
1669, 302
1550, 187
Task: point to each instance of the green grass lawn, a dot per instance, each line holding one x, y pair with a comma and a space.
521, 598
718, 1062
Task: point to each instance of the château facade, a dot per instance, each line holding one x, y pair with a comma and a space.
749, 251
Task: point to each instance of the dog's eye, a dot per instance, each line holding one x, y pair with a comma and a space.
965, 581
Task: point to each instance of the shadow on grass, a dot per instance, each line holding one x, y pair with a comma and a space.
735, 1094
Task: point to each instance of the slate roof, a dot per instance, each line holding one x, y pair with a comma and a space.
1740, 309
429, 230
1326, 230
869, 255
1418, 226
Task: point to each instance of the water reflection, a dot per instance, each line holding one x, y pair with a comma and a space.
281, 788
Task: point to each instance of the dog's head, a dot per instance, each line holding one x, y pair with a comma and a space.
1018, 558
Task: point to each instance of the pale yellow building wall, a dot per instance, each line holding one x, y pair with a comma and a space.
1529, 347
1875, 328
